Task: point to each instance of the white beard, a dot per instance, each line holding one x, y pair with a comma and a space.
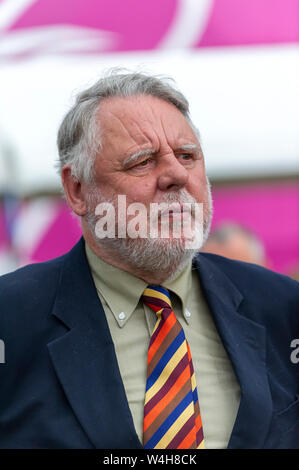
164, 255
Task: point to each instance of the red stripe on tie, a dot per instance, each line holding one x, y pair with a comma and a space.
164, 408
171, 320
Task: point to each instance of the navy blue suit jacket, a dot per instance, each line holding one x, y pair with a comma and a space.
60, 386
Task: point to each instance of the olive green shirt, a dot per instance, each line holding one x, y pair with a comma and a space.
131, 323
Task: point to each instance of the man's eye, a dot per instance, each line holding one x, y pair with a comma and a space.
186, 156
143, 163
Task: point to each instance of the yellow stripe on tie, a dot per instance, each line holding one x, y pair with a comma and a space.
176, 427
166, 372
158, 295
157, 322
172, 416
193, 382
201, 445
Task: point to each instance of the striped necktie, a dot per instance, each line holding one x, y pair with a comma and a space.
171, 411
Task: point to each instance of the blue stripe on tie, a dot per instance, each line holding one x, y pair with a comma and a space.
195, 396
178, 340
153, 441
160, 289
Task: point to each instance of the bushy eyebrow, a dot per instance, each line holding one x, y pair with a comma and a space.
131, 159
136, 156
192, 147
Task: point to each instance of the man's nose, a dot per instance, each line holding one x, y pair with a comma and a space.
173, 175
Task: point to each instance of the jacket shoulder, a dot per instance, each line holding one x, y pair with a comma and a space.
267, 295
30, 274
28, 292
248, 274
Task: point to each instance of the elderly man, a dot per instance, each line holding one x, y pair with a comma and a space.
135, 341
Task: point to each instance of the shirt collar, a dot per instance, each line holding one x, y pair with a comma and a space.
122, 290
181, 285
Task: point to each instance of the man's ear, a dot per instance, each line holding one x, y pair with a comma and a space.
74, 191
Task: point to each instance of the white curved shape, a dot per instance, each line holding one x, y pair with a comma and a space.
11, 10
33, 222
55, 39
188, 25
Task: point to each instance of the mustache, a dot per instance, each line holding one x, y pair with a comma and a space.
180, 197
175, 202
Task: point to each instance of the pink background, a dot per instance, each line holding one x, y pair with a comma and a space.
270, 210
142, 25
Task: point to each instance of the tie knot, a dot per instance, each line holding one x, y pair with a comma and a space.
156, 297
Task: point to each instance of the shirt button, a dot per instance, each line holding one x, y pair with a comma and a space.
122, 316
187, 313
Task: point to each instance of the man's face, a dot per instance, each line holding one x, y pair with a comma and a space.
149, 153
147, 124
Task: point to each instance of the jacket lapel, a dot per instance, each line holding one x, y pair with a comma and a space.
84, 359
245, 343
86, 366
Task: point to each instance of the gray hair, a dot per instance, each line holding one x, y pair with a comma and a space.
79, 139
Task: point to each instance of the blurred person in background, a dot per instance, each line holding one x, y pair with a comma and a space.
138, 342
293, 272
236, 242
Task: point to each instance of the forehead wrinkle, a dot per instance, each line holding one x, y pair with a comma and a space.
153, 127
179, 134
110, 129
143, 130
131, 127
147, 133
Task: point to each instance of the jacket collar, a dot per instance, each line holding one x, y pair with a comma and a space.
245, 343
84, 358
86, 365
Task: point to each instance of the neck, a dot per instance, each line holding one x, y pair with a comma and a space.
110, 257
